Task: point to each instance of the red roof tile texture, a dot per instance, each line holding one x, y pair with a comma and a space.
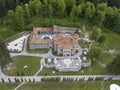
65, 42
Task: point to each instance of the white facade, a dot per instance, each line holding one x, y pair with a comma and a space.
69, 64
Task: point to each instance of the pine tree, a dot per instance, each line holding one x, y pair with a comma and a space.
4, 55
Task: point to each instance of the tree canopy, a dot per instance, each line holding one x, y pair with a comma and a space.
93, 12
114, 66
95, 53
4, 55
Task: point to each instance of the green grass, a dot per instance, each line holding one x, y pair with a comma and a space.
107, 58
19, 62
112, 40
8, 86
66, 85
89, 85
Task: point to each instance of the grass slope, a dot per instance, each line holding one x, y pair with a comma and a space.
89, 85
19, 62
8, 86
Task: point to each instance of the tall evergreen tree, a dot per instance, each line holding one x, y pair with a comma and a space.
19, 15
89, 10
6, 5
27, 13
46, 9
58, 7
4, 55
69, 5
34, 6
99, 17
75, 12
11, 19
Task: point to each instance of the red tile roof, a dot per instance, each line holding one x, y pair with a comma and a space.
65, 42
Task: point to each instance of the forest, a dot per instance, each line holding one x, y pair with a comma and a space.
20, 15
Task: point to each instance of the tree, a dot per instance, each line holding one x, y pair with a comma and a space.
58, 7
16, 19
112, 19
4, 55
27, 13
35, 6
19, 16
100, 13
11, 18
78, 2
75, 12
46, 9
24, 1
114, 66
95, 53
99, 17
102, 39
69, 6
89, 10
96, 33
102, 7
6, 5
114, 3
98, 1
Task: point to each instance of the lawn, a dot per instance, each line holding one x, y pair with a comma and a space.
89, 85
107, 58
112, 40
19, 63
8, 86
66, 85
